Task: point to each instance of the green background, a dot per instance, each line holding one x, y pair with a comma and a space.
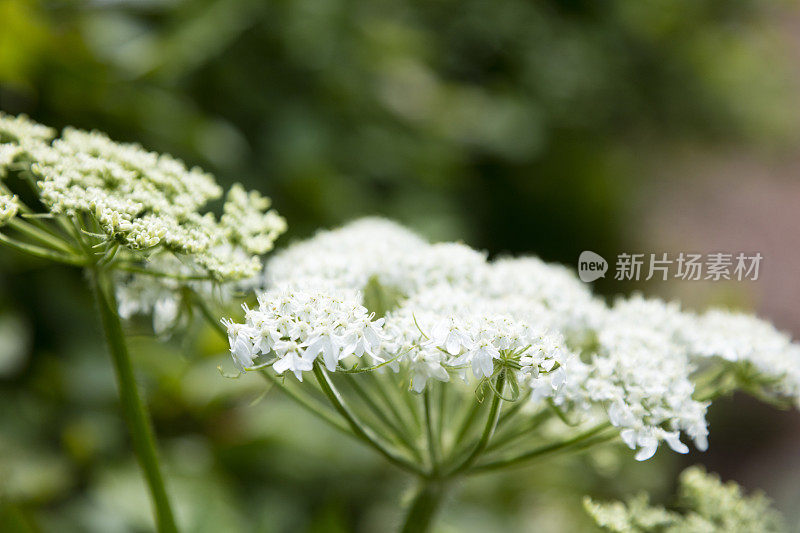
515, 126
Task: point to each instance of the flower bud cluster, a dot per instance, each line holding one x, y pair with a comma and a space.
249, 221
22, 131
18, 136
8, 208
143, 200
707, 505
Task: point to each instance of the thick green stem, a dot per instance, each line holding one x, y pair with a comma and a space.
133, 409
424, 506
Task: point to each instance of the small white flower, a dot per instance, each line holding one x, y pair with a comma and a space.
243, 349
303, 325
482, 359
446, 334
292, 357
425, 370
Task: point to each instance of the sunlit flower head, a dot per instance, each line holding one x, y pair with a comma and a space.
143, 200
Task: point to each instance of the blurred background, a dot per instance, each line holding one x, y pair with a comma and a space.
545, 127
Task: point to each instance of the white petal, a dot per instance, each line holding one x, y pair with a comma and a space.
674, 442
628, 437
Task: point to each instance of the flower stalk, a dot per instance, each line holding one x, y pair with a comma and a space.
134, 410
489, 428
360, 430
426, 504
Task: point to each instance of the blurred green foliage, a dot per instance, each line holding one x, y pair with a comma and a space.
517, 126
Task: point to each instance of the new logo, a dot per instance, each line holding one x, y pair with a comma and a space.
591, 266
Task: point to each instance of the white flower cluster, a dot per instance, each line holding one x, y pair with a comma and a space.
741, 338
734, 337
707, 506
444, 329
640, 376
347, 257
144, 200
8, 153
18, 136
20, 131
164, 296
549, 295
249, 222
446, 322
546, 294
643, 381
294, 327
459, 314
8, 208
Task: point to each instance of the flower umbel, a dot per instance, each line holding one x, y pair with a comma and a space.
141, 214
519, 330
297, 327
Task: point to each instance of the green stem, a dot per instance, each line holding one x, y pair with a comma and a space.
424, 506
467, 421
579, 442
384, 389
706, 383
361, 431
488, 429
398, 434
525, 427
42, 236
212, 319
309, 404
509, 413
134, 411
43, 253
433, 445
412, 404
136, 269
443, 412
